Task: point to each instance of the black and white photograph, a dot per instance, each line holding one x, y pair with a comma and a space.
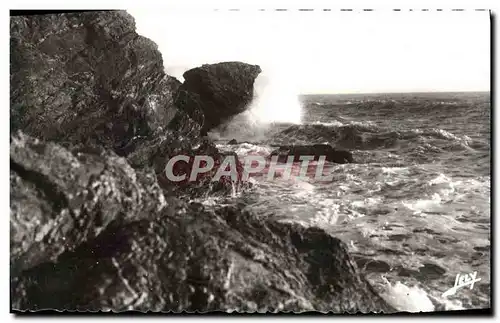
250, 161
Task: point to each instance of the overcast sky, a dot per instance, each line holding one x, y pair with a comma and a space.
332, 52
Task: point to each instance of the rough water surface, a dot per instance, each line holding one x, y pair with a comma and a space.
414, 208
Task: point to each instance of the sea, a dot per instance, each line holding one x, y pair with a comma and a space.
414, 209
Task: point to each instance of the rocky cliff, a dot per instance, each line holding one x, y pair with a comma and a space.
93, 224
212, 94
87, 78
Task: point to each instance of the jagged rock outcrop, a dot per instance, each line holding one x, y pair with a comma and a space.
90, 233
213, 93
224, 178
87, 78
155, 154
331, 154
93, 224
61, 198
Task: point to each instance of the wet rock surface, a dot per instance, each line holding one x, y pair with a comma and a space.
117, 243
316, 151
94, 225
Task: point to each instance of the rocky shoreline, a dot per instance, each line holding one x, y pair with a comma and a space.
95, 226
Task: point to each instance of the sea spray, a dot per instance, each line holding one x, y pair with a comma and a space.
404, 298
275, 101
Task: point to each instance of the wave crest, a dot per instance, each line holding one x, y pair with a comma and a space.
368, 136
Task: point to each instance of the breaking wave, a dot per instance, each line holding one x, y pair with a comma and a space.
368, 136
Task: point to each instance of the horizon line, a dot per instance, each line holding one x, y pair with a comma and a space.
403, 92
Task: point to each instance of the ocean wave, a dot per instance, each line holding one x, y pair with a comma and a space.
328, 124
435, 133
366, 135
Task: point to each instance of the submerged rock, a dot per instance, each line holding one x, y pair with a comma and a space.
213, 93
331, 154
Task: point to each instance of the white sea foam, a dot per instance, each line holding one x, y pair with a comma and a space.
367, 202
328, 214
409, 299
440, 179
245, 149
395, 170
422, 205
334, 123
302, 188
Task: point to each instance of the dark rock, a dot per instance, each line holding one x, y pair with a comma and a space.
185, 125
61, 198
188, 258
357, 136
372, 265
232, 142
425, 273
482, 248
213, 93
426, 230
331, 154
156, 151
87, 78
405, 272
305, 133
205, 183
398, 237
431, 271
